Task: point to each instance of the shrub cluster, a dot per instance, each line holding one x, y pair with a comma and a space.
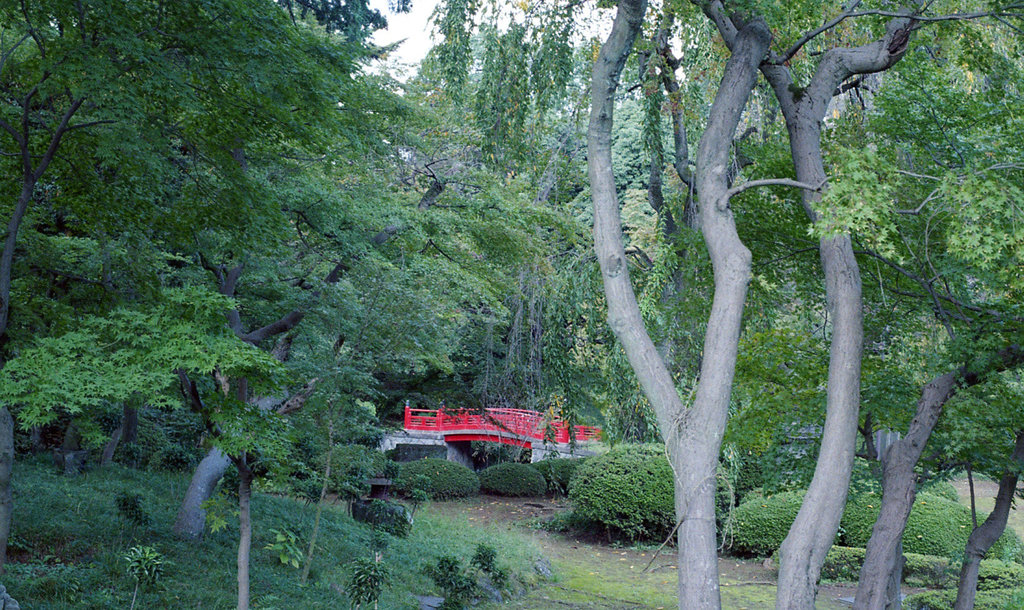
983, 600
761, 524
558, 472
445, 480
512, 479
844, 564
628, 490
936, 526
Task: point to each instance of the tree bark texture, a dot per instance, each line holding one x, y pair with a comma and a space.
6, 465
245, 477
898, 493
803, 551
191, 517
899, 480
693, 437
985, 535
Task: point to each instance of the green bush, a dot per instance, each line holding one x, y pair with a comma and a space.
1003, 599
628, 490
512, 479
761, 524
936, 526
927, 570
843, 563
942, 489
446, 479
996, 574
558, 472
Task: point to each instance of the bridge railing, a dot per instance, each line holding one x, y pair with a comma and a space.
516, 421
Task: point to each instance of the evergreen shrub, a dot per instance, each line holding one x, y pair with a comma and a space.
445, 479
628, 490
761, 524
558, 472
513, 479
936, 526
1002, 599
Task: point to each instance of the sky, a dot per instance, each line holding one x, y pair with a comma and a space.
414, 27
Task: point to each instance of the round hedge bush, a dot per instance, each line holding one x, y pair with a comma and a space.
627, 490
936, 526
512, 479
761, 524
445, 480
558, 472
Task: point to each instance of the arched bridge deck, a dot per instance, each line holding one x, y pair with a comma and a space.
456, 428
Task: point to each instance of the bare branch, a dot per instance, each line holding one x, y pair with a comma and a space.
283, 324
736, 190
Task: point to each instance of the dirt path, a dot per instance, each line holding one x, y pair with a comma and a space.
594, 575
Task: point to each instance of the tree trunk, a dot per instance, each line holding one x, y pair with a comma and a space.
985, 535
692, 437
6, 465
111, 446
244, 530
320, 504
898, 491
191, 517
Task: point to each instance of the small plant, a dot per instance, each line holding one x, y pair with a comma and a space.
417, 495
145, 566
368, 578
460, 584
129, 506
286, 545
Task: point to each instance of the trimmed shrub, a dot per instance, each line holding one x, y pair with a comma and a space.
843, 563
446, 479
1003, 599
936, 527
512, 479
995, 574
628, 490
942, 489
927, 570
761, 524
558, 472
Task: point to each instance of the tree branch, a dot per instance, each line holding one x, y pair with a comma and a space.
297, 400
736, 190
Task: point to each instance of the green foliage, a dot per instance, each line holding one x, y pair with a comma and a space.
447, 480
629, 491
761, 524
512, 479
131, 509
1003, 599
843, 564
927, 570
286, 546
145, 564
941, 489
994, 574
368, 578
936, 526
69, 521
459, 584
558, 472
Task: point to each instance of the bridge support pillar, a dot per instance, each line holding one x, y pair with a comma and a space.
460, 452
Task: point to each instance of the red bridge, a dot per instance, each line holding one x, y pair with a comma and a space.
509, 426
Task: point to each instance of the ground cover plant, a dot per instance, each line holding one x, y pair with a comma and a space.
69, 550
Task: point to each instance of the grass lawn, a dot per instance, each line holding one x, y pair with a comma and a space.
68, 542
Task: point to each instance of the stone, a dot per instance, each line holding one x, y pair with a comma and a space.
429, 602
543, 567
6, 601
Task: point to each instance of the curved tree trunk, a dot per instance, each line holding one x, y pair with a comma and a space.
898, 492
191, 518
693, 437
986, 534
